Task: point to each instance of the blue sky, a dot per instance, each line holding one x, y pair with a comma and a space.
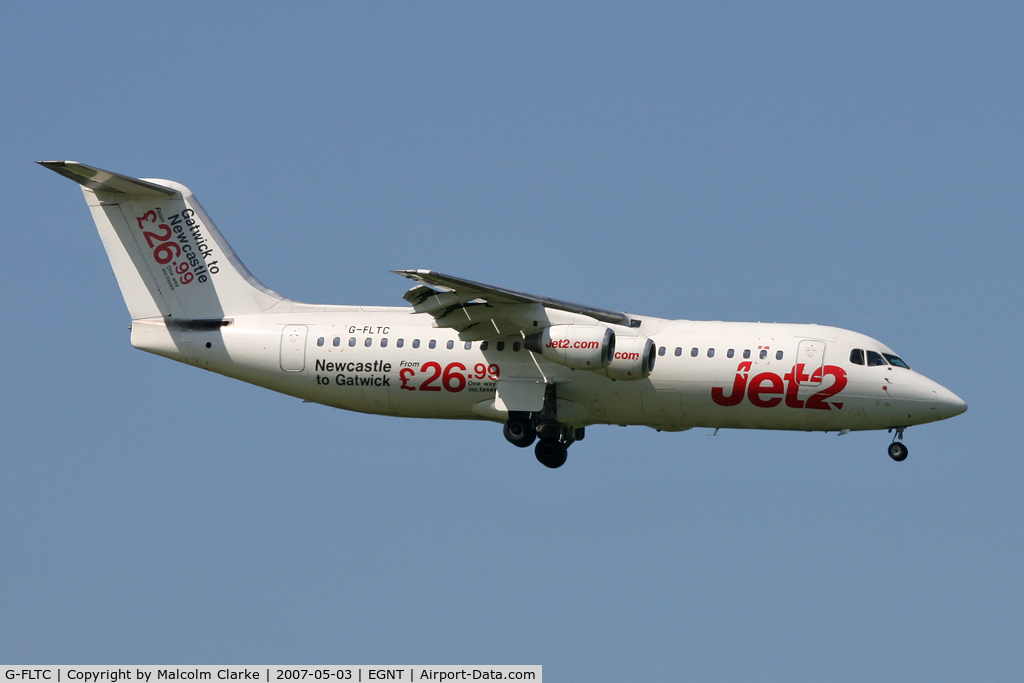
855, 166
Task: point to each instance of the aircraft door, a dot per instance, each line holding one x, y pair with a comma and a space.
811, 354
293, 348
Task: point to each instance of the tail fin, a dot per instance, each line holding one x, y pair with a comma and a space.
169, 258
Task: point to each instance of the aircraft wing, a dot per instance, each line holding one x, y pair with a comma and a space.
480, 311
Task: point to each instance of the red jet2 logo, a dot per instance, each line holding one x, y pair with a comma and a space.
767, 389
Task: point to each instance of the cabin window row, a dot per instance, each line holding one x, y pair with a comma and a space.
762, 354
400, 343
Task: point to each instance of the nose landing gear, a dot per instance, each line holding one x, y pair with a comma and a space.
897, 450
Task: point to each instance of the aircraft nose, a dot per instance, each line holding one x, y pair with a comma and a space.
949, 404
941, 403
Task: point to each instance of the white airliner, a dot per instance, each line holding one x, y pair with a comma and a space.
465, 350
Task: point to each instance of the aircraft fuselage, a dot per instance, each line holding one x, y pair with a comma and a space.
391, 361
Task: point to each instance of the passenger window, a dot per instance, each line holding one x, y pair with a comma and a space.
857, 356
469, 345
320, 341
433, 344
501, 346
368, 342
763, 354
337, 341
896, 360
415, 343
661, 351
778, 355
450, 345
746, 353
875, 358
383, 342
694, 352
679, 350
730, 353
400, 343
515, 346
711, 353
483, 346
352, 341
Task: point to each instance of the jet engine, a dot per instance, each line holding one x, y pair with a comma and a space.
633, 359
581, 347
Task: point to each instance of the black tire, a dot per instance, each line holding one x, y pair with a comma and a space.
520, 432
898, 452
551, 453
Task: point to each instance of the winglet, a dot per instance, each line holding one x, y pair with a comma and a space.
105, 181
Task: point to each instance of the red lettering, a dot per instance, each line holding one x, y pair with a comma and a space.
817, 402
758, 388
454, 381
766, 388
428, 383
149, 216
795, 378
739, 384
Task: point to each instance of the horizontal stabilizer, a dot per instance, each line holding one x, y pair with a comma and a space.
105, 181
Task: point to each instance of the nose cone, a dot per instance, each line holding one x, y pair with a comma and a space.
929, 401
949, 404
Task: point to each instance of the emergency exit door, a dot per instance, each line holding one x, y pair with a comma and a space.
293, 348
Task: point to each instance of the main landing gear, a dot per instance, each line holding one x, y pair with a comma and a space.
522, 429
551, 452
519, 430
555, 439
897, 450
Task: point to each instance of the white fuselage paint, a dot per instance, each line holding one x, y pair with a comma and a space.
281, 352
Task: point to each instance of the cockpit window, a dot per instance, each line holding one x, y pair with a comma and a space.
875, 358
896, 360
857, 356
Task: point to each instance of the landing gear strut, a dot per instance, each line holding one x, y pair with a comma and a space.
519, 430
898, 451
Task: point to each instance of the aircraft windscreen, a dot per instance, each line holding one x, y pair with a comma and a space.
896, 361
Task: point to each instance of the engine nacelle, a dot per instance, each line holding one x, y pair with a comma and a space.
633, 358
581, 347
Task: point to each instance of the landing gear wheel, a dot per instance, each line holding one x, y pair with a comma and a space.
551, 453
898, 452
520, 432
